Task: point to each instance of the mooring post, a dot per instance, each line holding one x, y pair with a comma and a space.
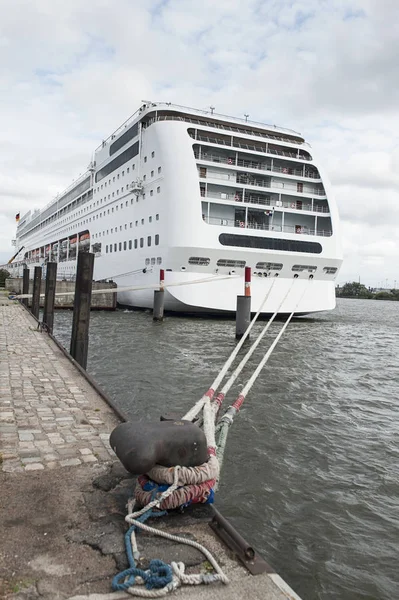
243, 314
81, 308
49, 296
159, 298
37, 282
25, 286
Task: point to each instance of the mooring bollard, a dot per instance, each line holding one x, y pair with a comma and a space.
37, 282
159, 298
81, 308
49, 296
25, 286
243, 314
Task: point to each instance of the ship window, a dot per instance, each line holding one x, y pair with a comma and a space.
123, 173
152, 173
110, 247
127, 203
145, 159
159, 169
226, 262
120, 227
269, 266
125, 245
149, 240
143, 197
115, 247
199, 260
122, 205
141, 242
144, 177
131, 225
157, 240
158, 189
251, 241
147, 261
117, 176
125, 225
159, 260
157, 217
300, 268
117, 162
135, 243
152, 154
130, 244
151, 192
330, 270
142, 221
122, 189
112, 230
133, 167
150, 219
153, 261
124, 139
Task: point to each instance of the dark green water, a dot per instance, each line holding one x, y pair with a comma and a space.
311, 476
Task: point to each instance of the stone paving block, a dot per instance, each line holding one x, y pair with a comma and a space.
34, 467
71, 462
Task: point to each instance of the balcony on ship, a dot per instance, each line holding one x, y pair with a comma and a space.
251, 145
227, 194
243, 161
269, 219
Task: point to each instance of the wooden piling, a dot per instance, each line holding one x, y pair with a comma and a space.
81, 308
25, 286
49, 297
37, 281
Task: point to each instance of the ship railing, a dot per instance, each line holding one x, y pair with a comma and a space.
265, 201
249, 164
253, 147
297, 229
245, 180
223, 127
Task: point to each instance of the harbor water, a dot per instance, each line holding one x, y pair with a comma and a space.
311, 475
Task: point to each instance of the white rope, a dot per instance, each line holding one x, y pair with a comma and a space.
239, 368
228, 418
266, 357
179, 576
193, 412
132, 288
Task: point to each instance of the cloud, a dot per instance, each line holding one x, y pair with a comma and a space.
71, 72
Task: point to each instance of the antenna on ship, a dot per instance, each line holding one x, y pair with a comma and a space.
212, 109
246, 117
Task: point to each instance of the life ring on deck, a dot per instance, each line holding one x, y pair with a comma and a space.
242, 224
293, 205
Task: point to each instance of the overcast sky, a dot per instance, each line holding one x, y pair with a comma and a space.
71, 72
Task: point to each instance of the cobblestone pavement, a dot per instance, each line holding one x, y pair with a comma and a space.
50, 417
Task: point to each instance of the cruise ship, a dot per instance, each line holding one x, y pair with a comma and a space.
200, 195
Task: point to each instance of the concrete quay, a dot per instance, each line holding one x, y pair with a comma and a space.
63, 495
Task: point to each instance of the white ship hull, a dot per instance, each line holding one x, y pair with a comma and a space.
200, 197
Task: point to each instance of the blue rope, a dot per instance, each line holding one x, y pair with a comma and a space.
157, 576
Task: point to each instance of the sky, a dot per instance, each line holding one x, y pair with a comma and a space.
72, 72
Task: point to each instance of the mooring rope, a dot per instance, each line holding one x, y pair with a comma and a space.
135, 288
160, 578
228, 417
194, 411
217, 402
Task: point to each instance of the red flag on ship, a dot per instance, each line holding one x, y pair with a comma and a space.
17, 217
